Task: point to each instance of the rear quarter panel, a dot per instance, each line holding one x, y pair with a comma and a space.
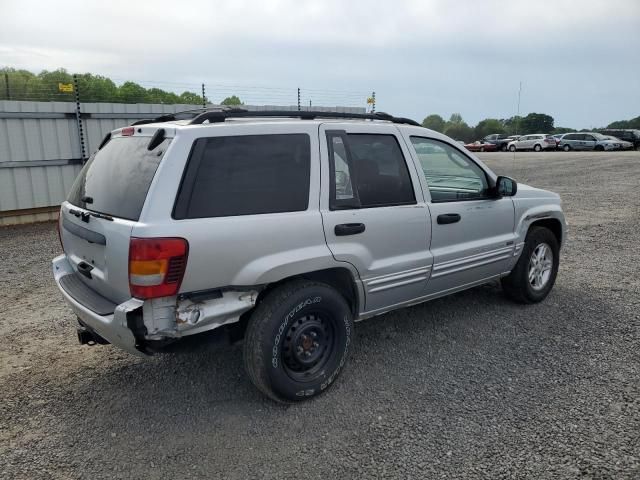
241, 250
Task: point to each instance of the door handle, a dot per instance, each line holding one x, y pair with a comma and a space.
348, 229
446, 218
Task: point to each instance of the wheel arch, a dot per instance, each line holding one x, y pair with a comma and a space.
552, 224
339, 278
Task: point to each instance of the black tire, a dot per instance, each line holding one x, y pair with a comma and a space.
482, 149
512, 148
517, 285
271, 356
503, 148
599, 148
566, 148
537, 148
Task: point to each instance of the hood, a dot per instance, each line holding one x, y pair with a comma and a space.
527, 191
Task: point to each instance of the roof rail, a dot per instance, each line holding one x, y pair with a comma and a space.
222, 115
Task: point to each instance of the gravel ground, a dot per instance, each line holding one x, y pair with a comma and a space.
471, 386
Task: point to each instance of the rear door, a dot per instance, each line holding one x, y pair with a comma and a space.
103, 205
525, 143
472, 233
373, 211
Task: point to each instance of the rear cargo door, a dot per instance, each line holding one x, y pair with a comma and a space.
104, 204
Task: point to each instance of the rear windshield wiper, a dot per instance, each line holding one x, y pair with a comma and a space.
85, 215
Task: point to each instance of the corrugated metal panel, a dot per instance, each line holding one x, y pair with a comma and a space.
41, 139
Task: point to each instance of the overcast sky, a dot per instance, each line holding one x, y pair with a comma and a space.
579, 61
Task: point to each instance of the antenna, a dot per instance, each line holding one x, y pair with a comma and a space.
517, 121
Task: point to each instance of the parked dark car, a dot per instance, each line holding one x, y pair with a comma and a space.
628, 135
499, 140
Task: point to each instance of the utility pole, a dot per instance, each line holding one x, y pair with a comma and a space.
373, 104
518, 114
299, 108
204, 101
6, 85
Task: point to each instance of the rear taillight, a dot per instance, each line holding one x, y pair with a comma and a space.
59, 219
127, 131
156, 266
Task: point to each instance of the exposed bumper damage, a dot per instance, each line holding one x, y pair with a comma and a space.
135, 322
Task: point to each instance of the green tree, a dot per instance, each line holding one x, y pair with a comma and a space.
455, 118
190, 98
563, 130
434, 122
633, 123
488, 126
157, 95
537, 123
232, 100
459, 131
22, 85
96, 88
131, 92
512, 125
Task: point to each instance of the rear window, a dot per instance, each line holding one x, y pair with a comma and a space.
116, 179
246, 175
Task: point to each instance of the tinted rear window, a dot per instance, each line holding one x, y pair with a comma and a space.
116, 179
246, 175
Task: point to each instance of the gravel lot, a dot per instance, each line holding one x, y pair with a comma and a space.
470, 386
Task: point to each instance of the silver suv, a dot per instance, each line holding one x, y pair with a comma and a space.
285, 228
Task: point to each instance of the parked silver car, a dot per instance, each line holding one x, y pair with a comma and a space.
536, 142
286, 227
586, 141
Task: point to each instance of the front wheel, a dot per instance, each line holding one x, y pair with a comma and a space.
535, 273
297, 340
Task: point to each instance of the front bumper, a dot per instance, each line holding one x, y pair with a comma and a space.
112, 327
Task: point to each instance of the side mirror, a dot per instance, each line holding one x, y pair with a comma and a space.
506, 187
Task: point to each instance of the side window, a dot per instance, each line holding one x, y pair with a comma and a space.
450, 175
368, 170
245, 175
571, 136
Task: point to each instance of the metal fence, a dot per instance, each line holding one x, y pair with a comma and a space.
43, 146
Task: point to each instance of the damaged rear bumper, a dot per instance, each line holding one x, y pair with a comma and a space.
113, 327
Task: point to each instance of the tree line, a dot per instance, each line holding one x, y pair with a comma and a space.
45, 86
458, 129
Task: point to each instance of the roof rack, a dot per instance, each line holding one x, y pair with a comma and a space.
219, 116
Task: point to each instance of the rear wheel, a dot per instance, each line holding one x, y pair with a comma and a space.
512, 148
537, 147
297, 340
535, 273
566, 148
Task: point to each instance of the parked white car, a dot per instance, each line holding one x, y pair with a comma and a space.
536, 142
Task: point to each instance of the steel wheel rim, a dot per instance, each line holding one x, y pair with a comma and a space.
540, 266
308, 346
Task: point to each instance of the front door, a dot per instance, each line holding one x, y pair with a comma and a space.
374, 213
472, 234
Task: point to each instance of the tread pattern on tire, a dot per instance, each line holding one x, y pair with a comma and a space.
253, 359
512, 284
